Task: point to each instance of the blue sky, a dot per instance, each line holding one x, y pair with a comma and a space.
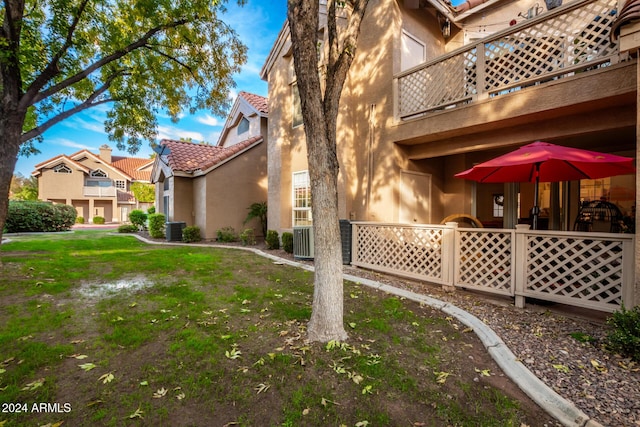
257, 24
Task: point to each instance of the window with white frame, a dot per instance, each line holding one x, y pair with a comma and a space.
301, 199
98, 173
120, 184
62, 169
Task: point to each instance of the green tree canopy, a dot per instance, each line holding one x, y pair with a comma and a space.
138, 57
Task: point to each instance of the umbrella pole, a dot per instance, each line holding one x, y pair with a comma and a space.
536, 208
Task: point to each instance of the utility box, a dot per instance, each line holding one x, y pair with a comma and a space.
303, 243
346, 238
174, 231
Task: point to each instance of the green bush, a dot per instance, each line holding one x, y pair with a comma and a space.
151, 210
247, 237
156, 225
191, 234
625, 337
138, 218
98, 220
272, 240
287, 242
80, 220
35, 216
227, 234
127, 228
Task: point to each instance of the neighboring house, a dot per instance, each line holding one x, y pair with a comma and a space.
95, 184
435, 89
213, 186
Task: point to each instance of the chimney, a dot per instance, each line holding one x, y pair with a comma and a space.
105, 153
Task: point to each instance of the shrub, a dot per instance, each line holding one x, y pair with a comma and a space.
259, 211
25, 216
127, 228
625, 337
151, 210
80, 220
272, 240
156, 225
98, 220
191, 234
247, 237
138, 218
227, 234
287, 242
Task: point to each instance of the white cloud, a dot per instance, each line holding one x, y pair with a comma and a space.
208, 120
171, 132
64, 142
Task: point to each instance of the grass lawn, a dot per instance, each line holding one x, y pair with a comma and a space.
99, 329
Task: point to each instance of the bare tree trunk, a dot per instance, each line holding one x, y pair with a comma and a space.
320, 113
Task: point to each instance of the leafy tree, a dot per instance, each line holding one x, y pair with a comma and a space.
145, 193
23, 188
320, 102
58, 58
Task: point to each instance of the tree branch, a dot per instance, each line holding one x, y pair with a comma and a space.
170, 58
51, 70
88, 103
100, 63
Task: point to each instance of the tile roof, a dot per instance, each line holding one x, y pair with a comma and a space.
258, 102
137, 168
189, 157
629, 12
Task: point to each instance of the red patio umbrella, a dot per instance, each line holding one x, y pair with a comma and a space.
541, 161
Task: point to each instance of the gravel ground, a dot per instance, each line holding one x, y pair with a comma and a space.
603, 385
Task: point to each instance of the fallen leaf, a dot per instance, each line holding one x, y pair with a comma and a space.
33, 385
79, 356
441, 377
483, 372
261, 388
599, 367
87, 366
144, 383
137, 414
306, 411
106, 378
160, 393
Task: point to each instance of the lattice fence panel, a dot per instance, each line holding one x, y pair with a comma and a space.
567, 269
485, 261
412, 251
443, 83
577, 37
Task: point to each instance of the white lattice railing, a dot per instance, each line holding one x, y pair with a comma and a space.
558, 43
595, 272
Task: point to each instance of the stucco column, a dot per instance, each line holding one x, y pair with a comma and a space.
115, 212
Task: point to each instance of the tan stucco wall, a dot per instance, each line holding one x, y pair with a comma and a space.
182, 190
230, 189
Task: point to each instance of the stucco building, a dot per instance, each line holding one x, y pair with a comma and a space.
95, 184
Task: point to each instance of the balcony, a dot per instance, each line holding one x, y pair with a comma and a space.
571, 39
95, 191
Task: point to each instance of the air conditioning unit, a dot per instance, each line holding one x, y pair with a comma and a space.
303, 242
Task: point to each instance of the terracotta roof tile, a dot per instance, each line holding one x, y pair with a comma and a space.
258, 102
189, 157
137, 168
629, 12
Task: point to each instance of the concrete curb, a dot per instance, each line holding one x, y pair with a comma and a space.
555, 405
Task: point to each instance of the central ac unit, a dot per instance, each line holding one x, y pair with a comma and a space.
303, 242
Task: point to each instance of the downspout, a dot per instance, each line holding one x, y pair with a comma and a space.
372, 128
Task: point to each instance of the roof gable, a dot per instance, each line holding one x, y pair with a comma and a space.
247, 105
197, 159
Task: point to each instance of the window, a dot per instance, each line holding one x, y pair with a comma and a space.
498, 205
243, 126
98, 183
301, 199
413, 51
98, 173
62, 169
122, 185
296, 106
